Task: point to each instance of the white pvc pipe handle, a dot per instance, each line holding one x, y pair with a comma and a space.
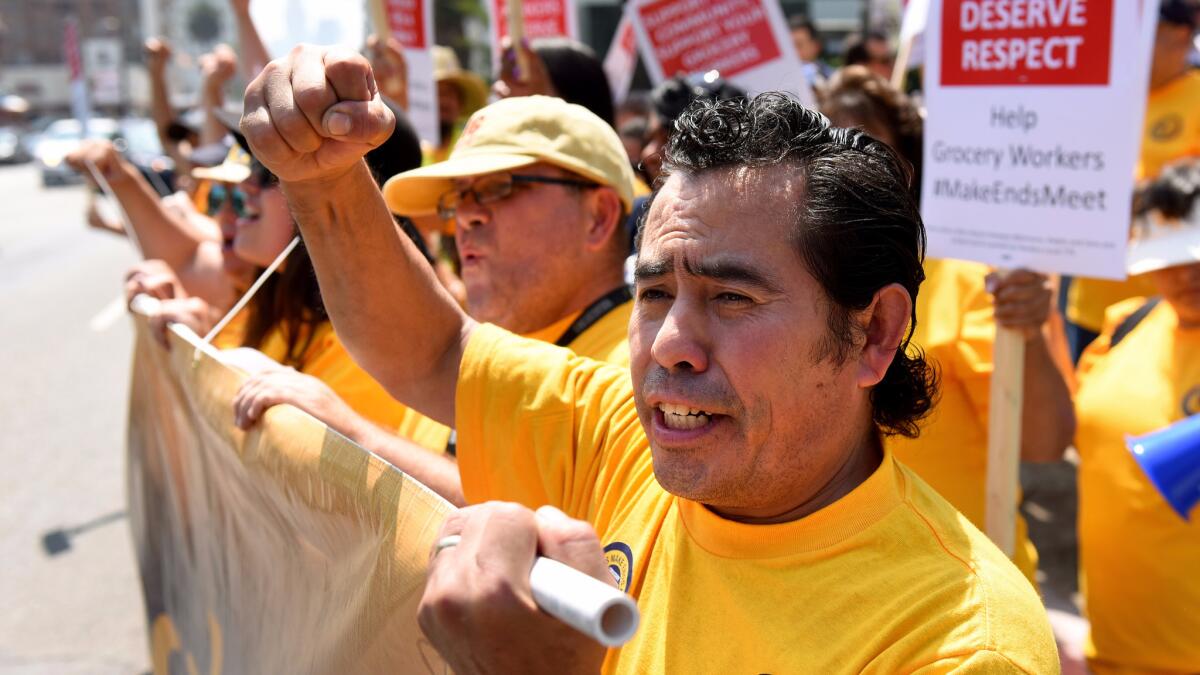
588, 605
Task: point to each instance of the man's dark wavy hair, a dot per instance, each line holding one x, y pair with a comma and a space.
857, 228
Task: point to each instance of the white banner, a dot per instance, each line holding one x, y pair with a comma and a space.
746, 41
1032, 133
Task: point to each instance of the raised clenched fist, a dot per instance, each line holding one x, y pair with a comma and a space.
158, 53
314, 113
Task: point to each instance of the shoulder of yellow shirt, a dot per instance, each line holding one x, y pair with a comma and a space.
606, 340
1114, 316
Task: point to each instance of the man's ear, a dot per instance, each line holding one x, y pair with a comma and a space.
604, 211
884, 323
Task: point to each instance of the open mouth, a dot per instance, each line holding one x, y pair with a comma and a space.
683, 418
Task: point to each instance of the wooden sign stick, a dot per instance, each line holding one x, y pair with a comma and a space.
1004, 438
515, 10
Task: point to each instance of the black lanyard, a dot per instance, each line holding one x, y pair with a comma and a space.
594, 312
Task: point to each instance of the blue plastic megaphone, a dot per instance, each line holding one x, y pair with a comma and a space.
1171, 459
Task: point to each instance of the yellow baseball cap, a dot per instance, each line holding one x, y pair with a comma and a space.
513, 133
234, 169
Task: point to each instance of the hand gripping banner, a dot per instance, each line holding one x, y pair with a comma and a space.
285, 549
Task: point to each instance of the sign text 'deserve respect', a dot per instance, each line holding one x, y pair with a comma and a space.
1026, 42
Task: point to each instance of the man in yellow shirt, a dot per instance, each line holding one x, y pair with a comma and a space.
1172, 131
1138, 557
539, 193
735, 472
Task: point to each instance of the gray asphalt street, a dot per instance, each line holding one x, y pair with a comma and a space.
62, 423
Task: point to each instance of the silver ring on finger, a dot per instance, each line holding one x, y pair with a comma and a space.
447, 542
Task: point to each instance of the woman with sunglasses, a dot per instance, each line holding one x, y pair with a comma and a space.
286, 318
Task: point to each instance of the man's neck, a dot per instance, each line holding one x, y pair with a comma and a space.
597, 287
859, 465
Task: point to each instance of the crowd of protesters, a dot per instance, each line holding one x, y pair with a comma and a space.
697, 324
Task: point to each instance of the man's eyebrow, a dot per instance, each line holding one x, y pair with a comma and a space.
652, 269
730, 271
718, 269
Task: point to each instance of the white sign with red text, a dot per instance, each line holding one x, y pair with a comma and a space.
1034, 118
746, 41
543, 18
620, 61
411, 23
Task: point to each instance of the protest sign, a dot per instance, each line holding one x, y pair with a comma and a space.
746, 41
410, 22
911, 53
621, 60
1034, 117
283, 549
543, 18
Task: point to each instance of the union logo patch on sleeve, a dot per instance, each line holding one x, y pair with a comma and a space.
620, 564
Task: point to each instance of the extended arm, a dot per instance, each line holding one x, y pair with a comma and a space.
285, 385
250, 45
161, 234
310, 117
158, 53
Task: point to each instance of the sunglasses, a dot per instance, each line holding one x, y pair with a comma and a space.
224, 192
492, 189
220, 193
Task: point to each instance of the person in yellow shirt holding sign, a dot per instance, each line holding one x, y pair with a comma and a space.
1139, 558
1172, 131
735, 473
539, 194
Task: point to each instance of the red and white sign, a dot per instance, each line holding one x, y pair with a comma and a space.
408, 22
411, 23
1033, 126
1026, 42
621, 60
746, 41
543, 18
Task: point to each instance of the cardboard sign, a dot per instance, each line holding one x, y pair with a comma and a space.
1034, 116
746, 41
411, 23
621, 60
543, 18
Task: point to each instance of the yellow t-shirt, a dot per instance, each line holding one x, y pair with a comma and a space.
956, 329
888, 579
605, 340
1140, 561
1172, 128
327, 360
1172, 132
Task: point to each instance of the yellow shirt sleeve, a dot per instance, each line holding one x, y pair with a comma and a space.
539, 425
1113, 317
328, 361
973, 351
427, 433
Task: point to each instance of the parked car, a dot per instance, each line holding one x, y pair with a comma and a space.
12, 146
135, 137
